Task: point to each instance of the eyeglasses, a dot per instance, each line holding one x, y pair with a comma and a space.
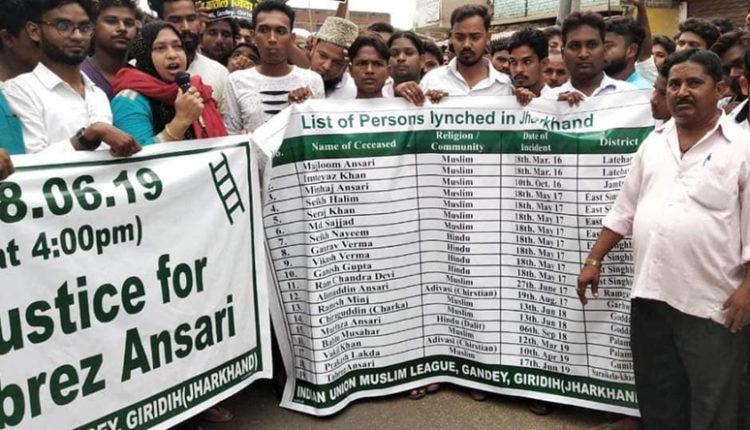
67, 28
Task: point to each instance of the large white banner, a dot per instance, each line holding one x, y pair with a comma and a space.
411, 246
129, 288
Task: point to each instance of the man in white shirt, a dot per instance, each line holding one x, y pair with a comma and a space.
60, 108
584, 54
469, 73
184, 15
255, 95
686, 203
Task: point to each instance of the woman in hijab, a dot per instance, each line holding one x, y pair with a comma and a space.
150, 106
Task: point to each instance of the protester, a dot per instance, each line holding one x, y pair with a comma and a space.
696, 33
469, 73
113, 34
741, 114
554, 38
243, 57
184, 15
6, 165
217, 40
245, 34
18, 55
500, 55
555, 73
369, 66
661, 48
329, 57
149, 104
622, 44
382, 29
685, 202
659, 108
584, 54
645, 65
723, 25
60, 108
528, 50
255, 95
731, 48
432, 58
405, 63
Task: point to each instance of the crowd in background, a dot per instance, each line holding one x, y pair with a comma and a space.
78, 75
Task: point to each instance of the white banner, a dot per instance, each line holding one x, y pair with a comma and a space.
129, 293
412, 246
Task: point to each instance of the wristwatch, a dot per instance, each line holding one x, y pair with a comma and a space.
593, 262
81, 138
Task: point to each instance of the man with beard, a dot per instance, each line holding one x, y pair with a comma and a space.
555, 73
217, 40
18, 54
469, 73
583, 41
329, 57
731, 48
114, 31
60, 108
528, 57
184, 15
622, 44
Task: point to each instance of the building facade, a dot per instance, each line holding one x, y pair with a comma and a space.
312, 19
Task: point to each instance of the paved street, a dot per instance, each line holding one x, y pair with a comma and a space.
451, 408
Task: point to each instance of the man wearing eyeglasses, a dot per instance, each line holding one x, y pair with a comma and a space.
114, 30
60, 108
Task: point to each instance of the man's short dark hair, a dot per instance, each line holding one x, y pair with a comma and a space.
381, 27
707, 31
37, 8
470, 10
418, 43
552, 31
724, 25
106, 4
729, 40
158, 6
434, 50
245, 24
13, 16
628, 28
271, 6
533, 38
373, 41
709, 60
665, 42
498, 45
580, 19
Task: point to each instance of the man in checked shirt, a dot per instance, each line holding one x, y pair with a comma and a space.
686, 202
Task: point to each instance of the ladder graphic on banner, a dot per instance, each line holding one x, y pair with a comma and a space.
226, 187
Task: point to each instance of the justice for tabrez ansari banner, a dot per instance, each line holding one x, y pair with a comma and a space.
412, 246
129, 288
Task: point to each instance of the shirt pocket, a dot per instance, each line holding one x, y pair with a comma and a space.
715, 187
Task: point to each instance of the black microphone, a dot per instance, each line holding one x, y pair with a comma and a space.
183, 81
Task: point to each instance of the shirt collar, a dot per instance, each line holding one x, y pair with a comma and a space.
492, 77
50, 80
606, 83
726, 126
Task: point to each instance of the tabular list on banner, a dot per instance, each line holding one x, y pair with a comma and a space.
416, 254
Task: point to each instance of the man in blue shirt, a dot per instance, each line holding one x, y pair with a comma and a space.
622, 43
18, 55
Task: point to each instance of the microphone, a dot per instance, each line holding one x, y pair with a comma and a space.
182, 79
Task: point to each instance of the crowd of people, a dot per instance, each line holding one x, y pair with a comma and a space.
81, 76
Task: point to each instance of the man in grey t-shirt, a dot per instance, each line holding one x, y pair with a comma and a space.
254, 96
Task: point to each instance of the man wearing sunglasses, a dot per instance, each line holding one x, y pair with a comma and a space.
60, 108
